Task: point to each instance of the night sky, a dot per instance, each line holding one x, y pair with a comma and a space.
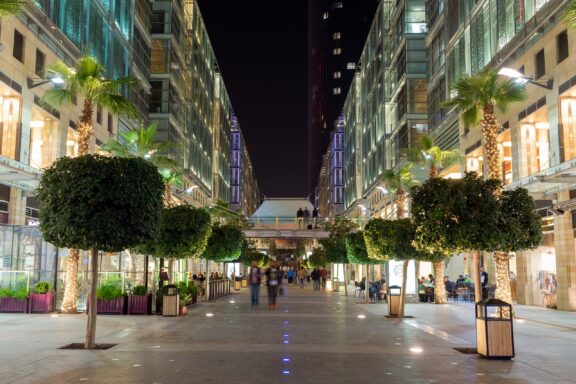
261, 47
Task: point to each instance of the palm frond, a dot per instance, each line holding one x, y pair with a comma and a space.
57, 97
11, 7
570, 14
117, 104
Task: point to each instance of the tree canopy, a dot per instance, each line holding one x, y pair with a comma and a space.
249, 254
93, 201
317, 258
521, 225
335, 244
356, 249
225, 243
183, 232
390, 239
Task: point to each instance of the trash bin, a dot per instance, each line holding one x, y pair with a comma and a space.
170, 300
494, 332
335, 285
237, 284
394, 300
244, 283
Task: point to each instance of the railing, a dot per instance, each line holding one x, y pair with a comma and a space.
218, 288
284, 222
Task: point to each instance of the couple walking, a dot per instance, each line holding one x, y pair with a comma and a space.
273, 279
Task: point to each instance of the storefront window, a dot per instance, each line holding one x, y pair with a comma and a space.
10, 126
535, 147
568, 118
475, 161
72, 143
505, 150
43, 150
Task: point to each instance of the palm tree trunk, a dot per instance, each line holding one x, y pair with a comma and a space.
167, 196
503, 291
400, 204
71, 287
91, 324
439, 289
85, 129
476, 272
367, 285
490, 133
403, 291
345, 280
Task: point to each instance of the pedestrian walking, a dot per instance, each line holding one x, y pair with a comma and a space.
300, 218
301, 276
273, 276
255, 278
315, 275
324, 277
306, 218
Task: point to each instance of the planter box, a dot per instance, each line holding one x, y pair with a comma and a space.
110, 307
12, 305
140, 305
42, 302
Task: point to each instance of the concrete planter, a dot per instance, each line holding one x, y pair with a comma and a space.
12, 305
140, 305
42, 302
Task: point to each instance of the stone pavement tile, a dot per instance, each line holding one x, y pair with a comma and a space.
312, 337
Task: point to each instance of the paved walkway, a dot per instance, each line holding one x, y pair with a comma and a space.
313, 337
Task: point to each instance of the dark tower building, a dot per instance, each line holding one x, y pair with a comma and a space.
337, 31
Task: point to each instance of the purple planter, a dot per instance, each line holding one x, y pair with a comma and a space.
12, 305
140, 305
42, 302
110, 307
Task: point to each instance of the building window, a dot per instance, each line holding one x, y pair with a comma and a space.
40, 63
18, 48
562, 46
539, 64
337, 90
337, 74
98, 115
336, 36
325, 16
351, 66
337, 5
337, 51
110, 123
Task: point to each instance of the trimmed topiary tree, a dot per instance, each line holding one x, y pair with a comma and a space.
99, 203
225, 243
318, 258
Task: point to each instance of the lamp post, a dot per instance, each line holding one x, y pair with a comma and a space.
521, 78
56, 81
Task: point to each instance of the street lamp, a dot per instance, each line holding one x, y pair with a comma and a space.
521, 78
56, 80
383, 190
190, 189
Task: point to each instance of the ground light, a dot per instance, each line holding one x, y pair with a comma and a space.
416, 350
209, 314
361, 316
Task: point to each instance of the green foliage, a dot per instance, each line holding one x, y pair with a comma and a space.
400, 181
186, 292
431, 156
390, 239
356, 249
18, 294
570, 14
475, 93
249, 254
224, 244
11, 7
99, 202
183, 232
521, 225
109, 292
88, 79
139, 290
317, 258
42, 288
335, 245
457, 215
300, 250
272, 250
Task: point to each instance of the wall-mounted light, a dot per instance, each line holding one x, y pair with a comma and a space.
521, 78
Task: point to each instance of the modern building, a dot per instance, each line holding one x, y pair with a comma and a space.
336, 34
245, 194
536, 147
330, 191
221, 137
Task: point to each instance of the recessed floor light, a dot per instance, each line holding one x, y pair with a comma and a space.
416, 350
232, 301
137, 365
209, 314
285, 372
361, 316
286, 359
54, 316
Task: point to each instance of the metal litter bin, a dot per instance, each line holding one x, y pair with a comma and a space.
494, 331
170, 300
394, 292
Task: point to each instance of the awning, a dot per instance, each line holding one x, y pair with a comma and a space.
18, 175
547, 183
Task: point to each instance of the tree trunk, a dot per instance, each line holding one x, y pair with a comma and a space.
476, 272
167, 196
400, 203
503, 291
403, 291
345, 280
490, 133
439, 289
85, 129
171, 270
91, 324
71, 287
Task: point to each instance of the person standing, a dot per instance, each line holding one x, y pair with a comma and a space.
301, 276
315, 218
300, 218
324, 277
306, 218
273, 276
255, 278
484, 282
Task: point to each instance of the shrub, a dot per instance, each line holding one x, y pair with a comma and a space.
108, 292
43, 288
18, 294
139, 290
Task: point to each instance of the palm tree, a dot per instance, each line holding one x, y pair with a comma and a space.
142, 143
570, 14
11, 7
430, 155
477, 98
85, 79
400, 183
